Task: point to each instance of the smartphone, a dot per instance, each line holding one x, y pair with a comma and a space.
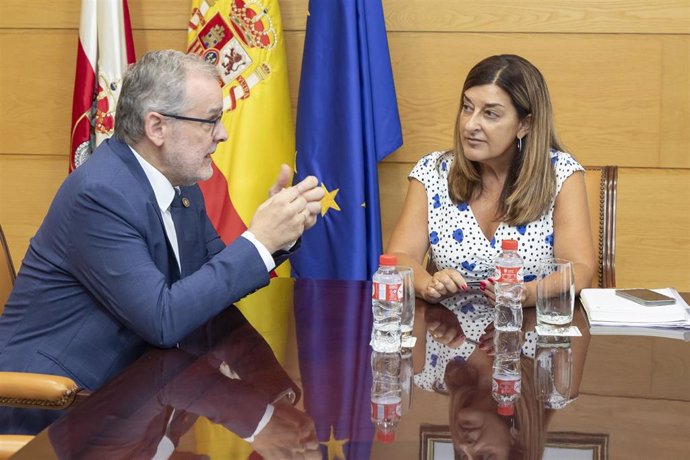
645, 297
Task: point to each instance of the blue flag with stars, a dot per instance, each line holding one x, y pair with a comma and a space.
335, 364
347, 121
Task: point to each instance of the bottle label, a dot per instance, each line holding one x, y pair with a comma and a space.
383, 411
387, 292
506, 387
508, 275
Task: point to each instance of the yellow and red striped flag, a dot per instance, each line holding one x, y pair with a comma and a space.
104, 51
244, 38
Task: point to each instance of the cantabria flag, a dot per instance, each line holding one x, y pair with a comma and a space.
244, 38
104, 51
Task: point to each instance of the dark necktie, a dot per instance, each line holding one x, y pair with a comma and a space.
176, 210
184, 217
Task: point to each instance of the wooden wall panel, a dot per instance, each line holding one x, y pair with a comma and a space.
27, 185
602, 120
589, 16
653, 232
597, 117
36, 94
36, 90
674, 132
559, 16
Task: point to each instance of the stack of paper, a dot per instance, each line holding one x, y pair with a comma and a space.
610, 314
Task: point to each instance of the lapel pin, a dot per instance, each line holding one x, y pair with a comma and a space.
186, 202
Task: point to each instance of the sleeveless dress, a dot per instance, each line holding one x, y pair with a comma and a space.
457, 242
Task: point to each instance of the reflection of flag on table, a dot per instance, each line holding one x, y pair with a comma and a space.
333, 332
347, 121
245, 40
104, 50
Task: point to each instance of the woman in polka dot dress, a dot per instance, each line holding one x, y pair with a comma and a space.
507, 177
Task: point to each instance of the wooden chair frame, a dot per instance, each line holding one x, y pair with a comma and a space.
606, 235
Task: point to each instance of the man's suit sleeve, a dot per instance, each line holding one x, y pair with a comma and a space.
112, 251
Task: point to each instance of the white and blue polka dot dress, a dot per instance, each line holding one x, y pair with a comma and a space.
456, 241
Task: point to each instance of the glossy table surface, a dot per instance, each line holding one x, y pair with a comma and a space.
199, 400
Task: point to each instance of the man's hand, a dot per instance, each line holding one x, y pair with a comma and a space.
290, 434
289, 211
282, 181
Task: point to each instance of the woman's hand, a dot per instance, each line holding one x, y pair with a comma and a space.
488, 287
444, 326
443, 284
486, 341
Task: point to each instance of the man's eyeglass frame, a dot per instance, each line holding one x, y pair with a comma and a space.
213, 121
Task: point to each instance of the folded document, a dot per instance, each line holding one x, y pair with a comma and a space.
610, 314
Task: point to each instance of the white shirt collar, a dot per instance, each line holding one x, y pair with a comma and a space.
162, 188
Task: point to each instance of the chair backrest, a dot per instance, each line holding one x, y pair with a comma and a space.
601, 183
7, 273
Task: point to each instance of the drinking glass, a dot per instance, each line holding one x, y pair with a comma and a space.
408, 304
553, 362
555, 294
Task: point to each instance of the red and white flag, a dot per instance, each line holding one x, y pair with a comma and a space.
104, 51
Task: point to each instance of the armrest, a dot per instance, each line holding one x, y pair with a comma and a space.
40, 391
11, 443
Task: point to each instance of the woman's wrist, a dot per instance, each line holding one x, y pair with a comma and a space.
529, 297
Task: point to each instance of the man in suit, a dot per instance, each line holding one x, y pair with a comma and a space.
126, 257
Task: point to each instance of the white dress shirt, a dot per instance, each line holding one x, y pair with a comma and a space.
165, 192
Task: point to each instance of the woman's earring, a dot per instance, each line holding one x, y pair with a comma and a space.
519, 144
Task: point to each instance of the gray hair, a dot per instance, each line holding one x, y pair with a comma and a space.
155, 83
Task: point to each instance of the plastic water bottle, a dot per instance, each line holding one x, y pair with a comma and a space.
506, 382
406, 379
508, 287
507, 342
386, 394
386, 305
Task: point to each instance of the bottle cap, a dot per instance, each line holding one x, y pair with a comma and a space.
388, 260
385, 437
506, 410
510, 245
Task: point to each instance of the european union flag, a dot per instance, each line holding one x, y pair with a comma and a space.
347, 121
333, 331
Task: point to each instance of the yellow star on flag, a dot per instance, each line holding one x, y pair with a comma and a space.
328, 200
335, 447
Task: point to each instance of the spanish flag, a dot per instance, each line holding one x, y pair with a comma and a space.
244, 38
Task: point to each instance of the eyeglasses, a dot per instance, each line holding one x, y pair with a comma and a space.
213, 121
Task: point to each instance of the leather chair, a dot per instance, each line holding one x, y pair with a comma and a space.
21, 389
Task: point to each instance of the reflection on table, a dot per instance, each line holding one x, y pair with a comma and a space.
202, 399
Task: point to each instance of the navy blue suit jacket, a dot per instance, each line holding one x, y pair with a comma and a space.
96, 286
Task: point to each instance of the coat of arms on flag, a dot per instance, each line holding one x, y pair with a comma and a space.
229, 41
